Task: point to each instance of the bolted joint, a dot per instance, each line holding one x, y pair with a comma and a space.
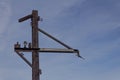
41, 19
40, 71
38, 18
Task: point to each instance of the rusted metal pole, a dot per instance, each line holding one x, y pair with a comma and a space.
35, 42
34, 48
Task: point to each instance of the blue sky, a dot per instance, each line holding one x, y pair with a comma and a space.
92, 26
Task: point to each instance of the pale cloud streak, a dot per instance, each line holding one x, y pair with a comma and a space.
88, 25
5, 13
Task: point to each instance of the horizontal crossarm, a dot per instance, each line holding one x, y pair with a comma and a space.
57, 50
52, 50
25, 18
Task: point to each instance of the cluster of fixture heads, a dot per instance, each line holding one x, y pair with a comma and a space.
25, 45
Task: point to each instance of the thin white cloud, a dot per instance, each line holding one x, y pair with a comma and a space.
93, 23
51, 9
5, 13
80, 33
7, 73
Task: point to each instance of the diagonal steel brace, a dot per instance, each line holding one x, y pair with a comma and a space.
22, 56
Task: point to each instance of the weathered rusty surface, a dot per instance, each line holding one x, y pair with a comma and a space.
35, 55
34, 46
35, 42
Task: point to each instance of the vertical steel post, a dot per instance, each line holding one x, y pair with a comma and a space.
35, 45
35, 42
